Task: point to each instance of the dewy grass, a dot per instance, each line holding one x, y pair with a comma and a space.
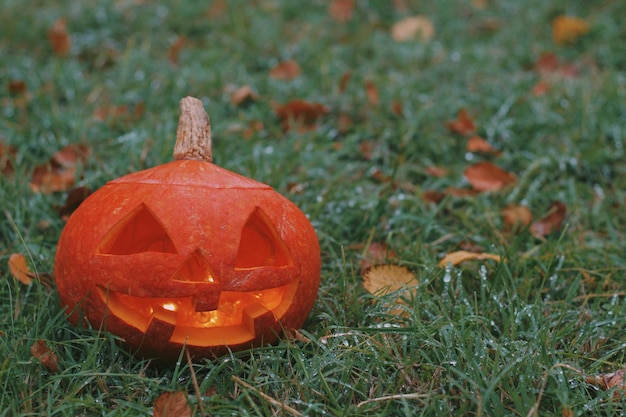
511, 338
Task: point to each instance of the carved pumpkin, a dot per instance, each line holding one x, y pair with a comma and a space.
188, 254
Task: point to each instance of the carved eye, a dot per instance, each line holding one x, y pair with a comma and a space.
139, 231
260, 245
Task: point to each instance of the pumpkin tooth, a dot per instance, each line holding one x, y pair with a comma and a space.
257, 318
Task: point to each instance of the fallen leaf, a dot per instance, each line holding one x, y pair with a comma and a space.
173, 51
478, 144
74, 198
48, 359
7, 157
254, 126
17, 87
609, 381
457, 257
372, 93
436, 171
480, 4
567, 29
243, 95
410, 28
286, 70
376, 254
463, 124
19, 269
367, 148
58, 174
432, 196
397, 108
551, 222
59, 38
381, 280
296, 336
547, 62
172, 404
485, 176
341, 10
344, 80
300, 114
516, 216
541, 88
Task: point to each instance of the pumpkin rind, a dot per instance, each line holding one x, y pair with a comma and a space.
155, 256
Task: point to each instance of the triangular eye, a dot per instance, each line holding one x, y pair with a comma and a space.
195, 269
260, 245
139, 231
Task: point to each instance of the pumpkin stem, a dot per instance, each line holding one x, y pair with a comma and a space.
193, 137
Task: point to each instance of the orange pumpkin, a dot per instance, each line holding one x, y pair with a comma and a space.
188, 254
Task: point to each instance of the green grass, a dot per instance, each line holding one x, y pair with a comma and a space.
481, 339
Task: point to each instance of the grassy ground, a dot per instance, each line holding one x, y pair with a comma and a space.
484, 338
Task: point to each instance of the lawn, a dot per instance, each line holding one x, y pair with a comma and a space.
382, 162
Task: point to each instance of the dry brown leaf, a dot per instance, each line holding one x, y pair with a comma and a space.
286, 70
19, 269
541, 88
48, 359
17, 87
341, 10
59, 38
7, 156
516, 216
478, 144
457, 257
172, 404
485, 176
567, 29
344, 80
551, 222
372, 93
58, 174
173, 51
243, 95
436, 171
432, 196
300, 114
410, 28
609, 381
74, 198
376, 254
463, 124
397, 108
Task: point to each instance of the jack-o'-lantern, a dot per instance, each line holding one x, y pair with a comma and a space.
188, 255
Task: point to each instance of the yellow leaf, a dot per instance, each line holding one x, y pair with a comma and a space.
385, 279
567, 29
416, 27
456, 258
381, 280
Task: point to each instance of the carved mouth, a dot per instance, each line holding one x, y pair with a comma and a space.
239, 316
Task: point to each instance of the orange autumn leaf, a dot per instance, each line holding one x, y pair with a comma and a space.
343, 81
300, 114
48, 359
567, 29
463, 124
172, 404
19, 269
59, 38
478, 144
551, 222
286, 70
515, 216
485, 176
411, 28
17, 87
243, 95
458, 257
381, 280
341, 10
58, 174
